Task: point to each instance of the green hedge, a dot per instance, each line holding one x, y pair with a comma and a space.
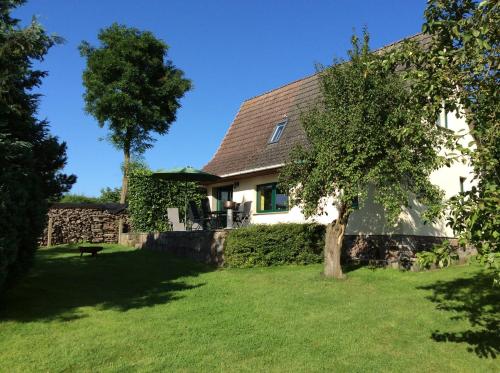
149, 198
268, 245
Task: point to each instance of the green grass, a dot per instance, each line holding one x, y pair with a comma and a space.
132, 310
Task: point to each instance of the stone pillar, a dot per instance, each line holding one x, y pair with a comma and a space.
229, 224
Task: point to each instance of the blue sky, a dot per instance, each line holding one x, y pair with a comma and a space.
231, 50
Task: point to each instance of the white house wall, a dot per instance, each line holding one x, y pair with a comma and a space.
246, 191
370, 219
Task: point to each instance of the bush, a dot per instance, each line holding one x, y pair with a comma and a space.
149, 198
442, 255
268, 245
78, 198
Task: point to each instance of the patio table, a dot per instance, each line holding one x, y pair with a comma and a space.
219, 218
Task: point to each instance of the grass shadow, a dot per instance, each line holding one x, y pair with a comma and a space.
475, 300
61, 282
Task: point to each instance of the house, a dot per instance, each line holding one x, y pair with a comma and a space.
258, 142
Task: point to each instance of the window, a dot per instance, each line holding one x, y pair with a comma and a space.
271, 199
462, 183
442, 119
278, 131
355, 203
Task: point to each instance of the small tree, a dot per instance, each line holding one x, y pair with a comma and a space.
362, 134
459, 70
131, 88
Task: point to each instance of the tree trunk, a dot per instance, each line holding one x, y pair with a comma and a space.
126, 164
334, 238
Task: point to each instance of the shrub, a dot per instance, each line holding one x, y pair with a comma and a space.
78, 198
268, 245
442, 255
149, 198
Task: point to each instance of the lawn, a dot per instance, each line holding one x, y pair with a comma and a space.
133, 310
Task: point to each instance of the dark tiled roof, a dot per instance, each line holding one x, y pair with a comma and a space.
245, 147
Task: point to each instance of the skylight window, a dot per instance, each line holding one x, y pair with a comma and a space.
278, 131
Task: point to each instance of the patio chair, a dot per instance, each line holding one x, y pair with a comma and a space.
209, 218
174, 221
243, 214
197, 222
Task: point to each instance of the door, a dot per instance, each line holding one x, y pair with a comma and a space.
223, 194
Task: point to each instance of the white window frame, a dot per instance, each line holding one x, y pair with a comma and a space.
282, 125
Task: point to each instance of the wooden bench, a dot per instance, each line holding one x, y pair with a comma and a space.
90, 249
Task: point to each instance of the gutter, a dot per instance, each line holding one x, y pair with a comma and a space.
253, 170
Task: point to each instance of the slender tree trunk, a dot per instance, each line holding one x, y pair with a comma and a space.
126, 164
334, 239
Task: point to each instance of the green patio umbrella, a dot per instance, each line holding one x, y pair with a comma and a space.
185, 174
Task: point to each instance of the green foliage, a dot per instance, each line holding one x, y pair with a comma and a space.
268, 245
110, 195
78, 198
131, 88
442, 255
363, 133
30, 157
150, 197
459, 71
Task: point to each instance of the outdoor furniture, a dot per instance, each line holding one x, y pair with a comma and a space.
219, 219
90, 249
185, 174
174, 221
209, 217
243, 214
197, 222
229, 205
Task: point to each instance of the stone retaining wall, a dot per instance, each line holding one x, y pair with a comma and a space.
390, 248
201, 246
208, 246
73, 223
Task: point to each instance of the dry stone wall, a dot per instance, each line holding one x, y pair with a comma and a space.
73, 223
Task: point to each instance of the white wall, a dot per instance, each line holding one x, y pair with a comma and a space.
246, 191
370, 219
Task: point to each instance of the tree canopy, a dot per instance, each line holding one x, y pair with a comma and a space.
362, 135
459, 70
31, 159
132, 88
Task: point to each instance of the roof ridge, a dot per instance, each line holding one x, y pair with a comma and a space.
281, 86
398, 41
316, 73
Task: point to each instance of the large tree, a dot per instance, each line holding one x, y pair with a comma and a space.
459, 70
132, 88
362, 135
30, 157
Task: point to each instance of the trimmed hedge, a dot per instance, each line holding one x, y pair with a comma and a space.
149, 198
269, 245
